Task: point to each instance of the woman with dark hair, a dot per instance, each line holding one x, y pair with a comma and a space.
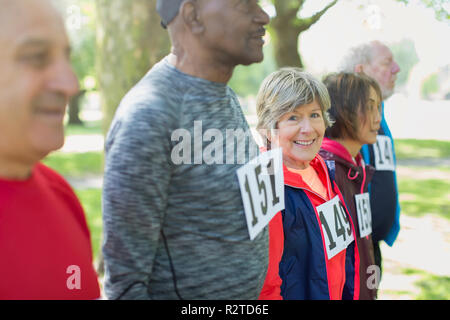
356, 112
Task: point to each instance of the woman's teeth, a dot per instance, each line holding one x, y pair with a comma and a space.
304, 143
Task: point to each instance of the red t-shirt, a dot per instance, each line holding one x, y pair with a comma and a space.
45, 248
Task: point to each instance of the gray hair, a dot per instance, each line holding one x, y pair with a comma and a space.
360, 54
286, 89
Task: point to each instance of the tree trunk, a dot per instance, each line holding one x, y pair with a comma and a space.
74, 108
285, 38
130, 40
286, 28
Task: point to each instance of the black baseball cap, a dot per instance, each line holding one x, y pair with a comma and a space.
168, 10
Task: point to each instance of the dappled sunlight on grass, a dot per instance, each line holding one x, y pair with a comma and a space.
420, 197
432, 287
76, 164
411, 148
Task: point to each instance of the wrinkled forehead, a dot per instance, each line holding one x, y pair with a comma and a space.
23, 19
381, 52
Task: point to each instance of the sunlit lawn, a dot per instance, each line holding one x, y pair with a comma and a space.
432, 287
416, 149
76, 165
421, 197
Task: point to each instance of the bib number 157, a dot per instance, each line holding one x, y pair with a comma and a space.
262, 189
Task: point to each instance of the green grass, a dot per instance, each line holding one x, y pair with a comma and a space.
91, 200
421, 197
424, 196
418, 168
416, 149
76, 165
432, 287
399, 294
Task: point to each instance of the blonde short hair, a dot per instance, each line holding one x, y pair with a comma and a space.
285, 90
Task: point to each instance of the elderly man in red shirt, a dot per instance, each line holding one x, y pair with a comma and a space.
45, 249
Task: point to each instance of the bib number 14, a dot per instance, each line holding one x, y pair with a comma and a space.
262, 189
384, 156
336, 226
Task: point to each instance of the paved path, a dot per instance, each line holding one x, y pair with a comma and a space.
91, 182
410, 118
83, 143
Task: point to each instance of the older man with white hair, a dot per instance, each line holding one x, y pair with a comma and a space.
375, 59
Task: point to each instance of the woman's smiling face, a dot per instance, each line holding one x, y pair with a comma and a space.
300, 134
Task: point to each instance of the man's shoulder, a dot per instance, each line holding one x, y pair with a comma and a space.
153, 87
158, 91
42, 178
48, 174
54, 182
53, 179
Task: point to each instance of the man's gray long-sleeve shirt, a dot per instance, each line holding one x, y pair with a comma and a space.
157, 178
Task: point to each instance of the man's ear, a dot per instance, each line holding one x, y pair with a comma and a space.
189, 12
359, 68
269, 135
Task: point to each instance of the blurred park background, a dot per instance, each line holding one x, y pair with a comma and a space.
115, 42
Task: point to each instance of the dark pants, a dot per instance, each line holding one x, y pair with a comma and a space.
377, 254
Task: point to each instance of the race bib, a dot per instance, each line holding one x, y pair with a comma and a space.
336, 226
262, 189
362, 202
384, 155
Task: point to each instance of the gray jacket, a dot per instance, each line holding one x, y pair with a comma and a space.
176, 228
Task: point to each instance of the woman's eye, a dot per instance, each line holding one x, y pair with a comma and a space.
292, 118
315, 115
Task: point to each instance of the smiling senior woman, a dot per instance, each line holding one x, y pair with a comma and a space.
312, 253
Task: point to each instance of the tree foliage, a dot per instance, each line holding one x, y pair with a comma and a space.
440, 7
83, 38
